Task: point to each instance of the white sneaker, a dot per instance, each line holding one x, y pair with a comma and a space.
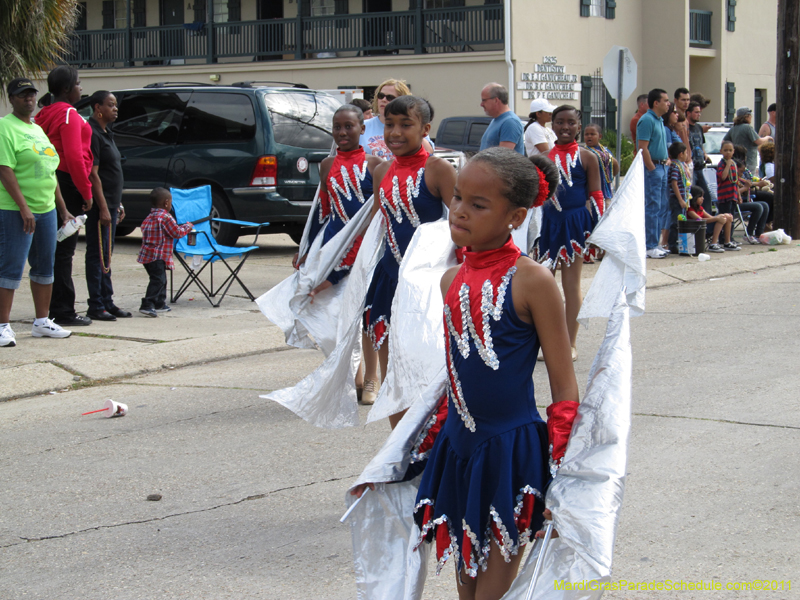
7, 337
50, 329
655, 253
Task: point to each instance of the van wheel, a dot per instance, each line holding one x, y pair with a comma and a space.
225, 234
124, 230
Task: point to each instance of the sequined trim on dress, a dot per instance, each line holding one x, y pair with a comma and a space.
377, 330
396, 207
547, 261
339, 191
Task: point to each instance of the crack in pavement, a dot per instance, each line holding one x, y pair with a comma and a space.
727, 421
181, 514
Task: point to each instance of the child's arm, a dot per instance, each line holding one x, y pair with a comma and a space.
693, 215
442, 180
615, 167
174, 230
726, 171
676, 190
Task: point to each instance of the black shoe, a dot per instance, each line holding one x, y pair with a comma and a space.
73, 321
150, 312
119, 313
101, 315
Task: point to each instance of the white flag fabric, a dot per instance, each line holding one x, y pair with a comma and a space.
586, 495
288, 305
621, 234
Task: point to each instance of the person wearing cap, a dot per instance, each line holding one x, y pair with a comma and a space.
30, 206
538, 138
505, 129
743, 134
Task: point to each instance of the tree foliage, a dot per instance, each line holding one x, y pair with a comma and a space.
34, 35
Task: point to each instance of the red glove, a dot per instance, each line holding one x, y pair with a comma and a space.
560, 416
599, 202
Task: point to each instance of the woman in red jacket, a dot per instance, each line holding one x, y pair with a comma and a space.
72, 138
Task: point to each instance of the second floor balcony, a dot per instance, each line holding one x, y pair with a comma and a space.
420, 31
700, 28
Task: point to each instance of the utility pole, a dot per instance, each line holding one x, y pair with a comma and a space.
787, 156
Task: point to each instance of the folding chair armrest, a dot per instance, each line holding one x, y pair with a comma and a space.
242, 223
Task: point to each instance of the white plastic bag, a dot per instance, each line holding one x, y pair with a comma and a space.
773, 238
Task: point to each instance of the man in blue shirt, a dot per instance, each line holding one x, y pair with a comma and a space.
505, 129
652, 141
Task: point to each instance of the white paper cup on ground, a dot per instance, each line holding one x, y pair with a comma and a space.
115, 409
702, 257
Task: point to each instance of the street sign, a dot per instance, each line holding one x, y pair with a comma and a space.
611, 72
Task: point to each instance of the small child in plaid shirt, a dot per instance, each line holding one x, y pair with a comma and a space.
159, 230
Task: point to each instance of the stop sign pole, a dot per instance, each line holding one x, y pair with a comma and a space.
619, 113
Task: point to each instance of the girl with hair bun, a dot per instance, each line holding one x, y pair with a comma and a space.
490, 461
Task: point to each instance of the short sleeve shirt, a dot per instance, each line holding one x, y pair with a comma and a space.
26, 150
696, 141
744, 135
108, 159
650, 128
727, 189
676, 175
505, 128
537, 134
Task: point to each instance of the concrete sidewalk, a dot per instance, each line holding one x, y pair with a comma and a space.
195, 332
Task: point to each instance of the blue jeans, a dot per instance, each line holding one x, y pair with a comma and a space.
39, 248
656, 206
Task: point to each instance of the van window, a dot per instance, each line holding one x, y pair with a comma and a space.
453, 134
215, 117
304, 120
476, 132
149, 119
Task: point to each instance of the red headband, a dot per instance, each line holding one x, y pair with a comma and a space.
544, 189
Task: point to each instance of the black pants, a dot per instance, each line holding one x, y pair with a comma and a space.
674, 210
98, 281
156, 294
62, 302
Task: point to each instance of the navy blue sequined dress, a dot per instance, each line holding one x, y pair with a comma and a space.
487, 472
406, 203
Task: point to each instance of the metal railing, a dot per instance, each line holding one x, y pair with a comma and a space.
419, 31
700, 27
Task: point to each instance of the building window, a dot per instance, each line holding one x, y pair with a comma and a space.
598, 8
109, 14
731, 20
139, 13
322, 8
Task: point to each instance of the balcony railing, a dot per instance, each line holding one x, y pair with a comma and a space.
417, 31
700, 27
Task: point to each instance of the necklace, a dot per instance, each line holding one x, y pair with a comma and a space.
605, 159
561, 152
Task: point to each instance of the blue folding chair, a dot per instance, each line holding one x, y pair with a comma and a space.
194, 206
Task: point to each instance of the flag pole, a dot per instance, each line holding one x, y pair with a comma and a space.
540, 559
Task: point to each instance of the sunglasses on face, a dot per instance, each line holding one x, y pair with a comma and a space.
388, 97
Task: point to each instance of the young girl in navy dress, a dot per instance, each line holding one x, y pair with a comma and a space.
569, 218
482, 491
412, 189
348, 185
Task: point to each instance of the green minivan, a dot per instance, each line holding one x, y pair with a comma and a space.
257, 146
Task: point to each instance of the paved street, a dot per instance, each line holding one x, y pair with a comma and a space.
251, 495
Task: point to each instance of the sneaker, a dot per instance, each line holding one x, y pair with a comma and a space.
730, 246
7, 337
655, 253
716, 248
370, 391
149, 312
165, 308
50, 329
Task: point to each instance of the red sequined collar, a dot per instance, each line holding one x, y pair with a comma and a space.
411, 162
489, 269
356, 155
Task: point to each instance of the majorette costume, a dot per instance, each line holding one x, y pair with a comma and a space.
331, 242
565, 221
348, 187
405, 203
488, 469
